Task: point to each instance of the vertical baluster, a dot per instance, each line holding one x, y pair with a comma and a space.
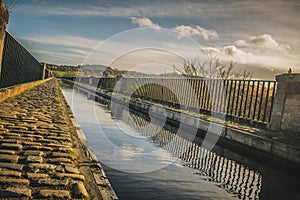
198, 93
202, 88
192, 97
251, 99
225, 96
189, 90
211, 94
246, 99
256, 99
186, 85
261, 100
215, 95
266, 103
233, 97
207, 93
272, 102
237, 99
175, 86
219, 95
208, 90
229, 96
195, 93
242, 98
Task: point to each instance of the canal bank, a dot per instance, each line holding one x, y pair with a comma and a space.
43, 154
283, 147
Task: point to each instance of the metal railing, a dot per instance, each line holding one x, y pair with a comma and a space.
247, 101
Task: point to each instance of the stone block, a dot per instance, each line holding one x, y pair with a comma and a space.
16, 192
34, 159
53, 182
42, 166
4, 151
13, 181
59, 160
9, 158
33, 153
49, 194
79, 190
37, 175
73, 176
11, 146
5, 172
11, 166
71, 169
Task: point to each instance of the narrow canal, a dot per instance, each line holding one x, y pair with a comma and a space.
143, 165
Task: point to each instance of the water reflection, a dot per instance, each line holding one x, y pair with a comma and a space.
228, 174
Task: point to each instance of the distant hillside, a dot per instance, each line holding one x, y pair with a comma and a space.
93, 67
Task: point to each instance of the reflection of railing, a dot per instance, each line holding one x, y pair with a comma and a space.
18, 65
247, 101
233, 177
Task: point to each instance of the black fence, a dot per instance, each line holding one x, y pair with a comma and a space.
241, 100
18, 65
246, 101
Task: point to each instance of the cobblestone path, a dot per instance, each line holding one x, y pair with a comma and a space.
37, 149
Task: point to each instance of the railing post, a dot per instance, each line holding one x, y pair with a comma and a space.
286, 109
91, 80
44, 71
3, 22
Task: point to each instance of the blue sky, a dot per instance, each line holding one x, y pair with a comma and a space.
262, 36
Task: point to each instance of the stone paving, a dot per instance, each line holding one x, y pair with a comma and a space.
38, 156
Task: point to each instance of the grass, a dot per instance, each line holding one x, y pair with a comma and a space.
63, 73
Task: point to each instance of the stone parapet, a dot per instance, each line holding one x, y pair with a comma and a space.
15, 90
286, 110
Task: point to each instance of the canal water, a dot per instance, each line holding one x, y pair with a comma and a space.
145, 161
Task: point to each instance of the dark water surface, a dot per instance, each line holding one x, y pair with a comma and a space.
144, 165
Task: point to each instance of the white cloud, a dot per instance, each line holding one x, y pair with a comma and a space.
144, 22
196, 32
236, 54
265, 41
229, 53
210, 50
241, 43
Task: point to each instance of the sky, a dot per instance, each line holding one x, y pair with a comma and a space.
261, 36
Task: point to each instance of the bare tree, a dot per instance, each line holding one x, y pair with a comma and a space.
212, 68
